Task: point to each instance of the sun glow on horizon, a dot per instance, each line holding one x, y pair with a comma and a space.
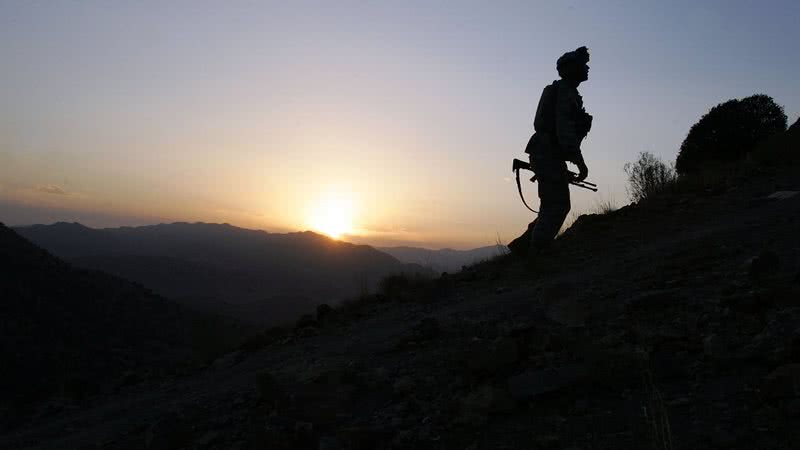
333, 215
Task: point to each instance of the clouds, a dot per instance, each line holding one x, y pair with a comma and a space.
14, 213
45, 194
50, 189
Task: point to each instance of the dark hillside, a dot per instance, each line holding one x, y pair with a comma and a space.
669, 324
73, 333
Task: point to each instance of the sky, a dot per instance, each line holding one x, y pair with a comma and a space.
386, 123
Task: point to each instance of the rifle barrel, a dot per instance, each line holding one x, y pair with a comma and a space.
581, 185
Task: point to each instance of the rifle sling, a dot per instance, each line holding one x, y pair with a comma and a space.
519, 189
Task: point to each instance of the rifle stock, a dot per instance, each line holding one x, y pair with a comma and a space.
520, 164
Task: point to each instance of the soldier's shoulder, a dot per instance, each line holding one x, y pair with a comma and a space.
562, 85
566, 92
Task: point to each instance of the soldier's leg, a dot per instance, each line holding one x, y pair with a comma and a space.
553, 209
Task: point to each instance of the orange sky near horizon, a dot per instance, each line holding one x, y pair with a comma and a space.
380, 123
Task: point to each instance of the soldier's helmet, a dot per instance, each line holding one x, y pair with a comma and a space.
578, 57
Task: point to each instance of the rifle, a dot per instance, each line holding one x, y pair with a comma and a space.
519, 164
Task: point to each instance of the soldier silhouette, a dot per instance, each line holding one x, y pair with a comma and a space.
560, 125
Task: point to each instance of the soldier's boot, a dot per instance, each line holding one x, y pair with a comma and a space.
520, 246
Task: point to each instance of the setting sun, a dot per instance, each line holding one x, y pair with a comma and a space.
333, 216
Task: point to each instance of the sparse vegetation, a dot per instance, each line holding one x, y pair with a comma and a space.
729, 131
502, 248
655, 411
604, 205
394, 286
647, 176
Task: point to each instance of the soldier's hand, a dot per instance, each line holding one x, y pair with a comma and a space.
583, 171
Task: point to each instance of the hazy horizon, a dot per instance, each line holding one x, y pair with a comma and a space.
384, 124
346, 238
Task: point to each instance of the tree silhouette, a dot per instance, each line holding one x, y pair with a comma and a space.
729, 131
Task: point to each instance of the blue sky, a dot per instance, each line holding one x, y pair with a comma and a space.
264, 114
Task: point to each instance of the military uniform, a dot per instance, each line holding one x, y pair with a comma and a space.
560, 123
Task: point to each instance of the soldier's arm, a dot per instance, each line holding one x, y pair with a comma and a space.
566, 129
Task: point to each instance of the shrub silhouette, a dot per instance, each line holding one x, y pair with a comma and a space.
729, 131
647, 176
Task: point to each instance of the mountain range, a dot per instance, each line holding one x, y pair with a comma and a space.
253, 275
446, 259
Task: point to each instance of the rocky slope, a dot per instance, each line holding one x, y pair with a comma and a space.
667, 325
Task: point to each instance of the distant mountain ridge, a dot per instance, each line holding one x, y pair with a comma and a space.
225, 269
445, 259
